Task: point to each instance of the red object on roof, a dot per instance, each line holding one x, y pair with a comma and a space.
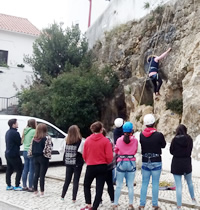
17, 24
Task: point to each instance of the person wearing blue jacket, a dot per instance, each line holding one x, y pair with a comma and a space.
12, 154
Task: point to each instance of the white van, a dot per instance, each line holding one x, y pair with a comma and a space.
58, 136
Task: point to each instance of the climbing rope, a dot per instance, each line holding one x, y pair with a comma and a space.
147, 76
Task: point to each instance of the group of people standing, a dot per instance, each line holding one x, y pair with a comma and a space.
37, 152
98, 150
107, 162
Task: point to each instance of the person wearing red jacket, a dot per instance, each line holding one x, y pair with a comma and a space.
97, 154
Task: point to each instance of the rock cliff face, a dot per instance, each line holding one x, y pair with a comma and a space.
125, 49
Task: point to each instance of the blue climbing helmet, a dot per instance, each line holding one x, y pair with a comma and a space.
128, 127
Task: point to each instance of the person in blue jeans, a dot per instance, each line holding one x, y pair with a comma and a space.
28, 171
126, 147
151, 144
181, 149
118, 132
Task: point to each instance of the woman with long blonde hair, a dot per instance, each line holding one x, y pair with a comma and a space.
40, 149
73, 161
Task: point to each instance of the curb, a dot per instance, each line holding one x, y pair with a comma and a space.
4, 205
161, 199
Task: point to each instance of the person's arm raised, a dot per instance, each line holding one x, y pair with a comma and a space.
156, 59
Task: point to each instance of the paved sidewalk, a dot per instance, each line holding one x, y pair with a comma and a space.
53, 188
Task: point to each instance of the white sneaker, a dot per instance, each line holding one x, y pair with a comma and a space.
44, 195
36, 195
194, 202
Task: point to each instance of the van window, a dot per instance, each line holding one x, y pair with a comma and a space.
53, 132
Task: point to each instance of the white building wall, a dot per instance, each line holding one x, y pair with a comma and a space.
119, 12
13, 78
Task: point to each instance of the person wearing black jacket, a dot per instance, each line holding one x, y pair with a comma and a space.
118, 131
151, 144
40, 149
12, 154
181, 149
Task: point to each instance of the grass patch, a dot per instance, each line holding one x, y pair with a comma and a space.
176, 105
116, 31
160, 9
151, 19
146, 5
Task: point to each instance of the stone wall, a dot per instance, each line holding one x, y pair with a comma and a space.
119, 12
126, 48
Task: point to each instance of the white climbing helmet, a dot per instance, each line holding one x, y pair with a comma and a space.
118, 122
149, 119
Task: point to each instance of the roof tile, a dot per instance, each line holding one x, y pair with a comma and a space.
18, 24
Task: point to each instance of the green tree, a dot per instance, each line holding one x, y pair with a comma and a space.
57, 51
68, 88
36, 101
78, 99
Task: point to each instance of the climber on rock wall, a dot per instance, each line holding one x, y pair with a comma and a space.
153, 61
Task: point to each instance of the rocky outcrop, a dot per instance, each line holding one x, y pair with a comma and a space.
126, 48
191, 100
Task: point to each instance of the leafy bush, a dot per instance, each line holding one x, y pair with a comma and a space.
176, 105
36, 101
159, 9
5, 65
72, 98
146, 5
78, 99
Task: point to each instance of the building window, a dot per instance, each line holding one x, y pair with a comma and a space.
3, 58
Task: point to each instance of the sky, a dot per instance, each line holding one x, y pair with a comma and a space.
42, 13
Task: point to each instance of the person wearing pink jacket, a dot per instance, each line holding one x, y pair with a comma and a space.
126, 147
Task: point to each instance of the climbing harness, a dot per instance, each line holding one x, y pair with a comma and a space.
131, 169
150, 155
149, 166
126, 156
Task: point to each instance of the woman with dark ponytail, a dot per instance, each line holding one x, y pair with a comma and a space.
125, 149
181, 149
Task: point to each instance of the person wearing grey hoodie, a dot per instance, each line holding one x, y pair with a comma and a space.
28, 171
